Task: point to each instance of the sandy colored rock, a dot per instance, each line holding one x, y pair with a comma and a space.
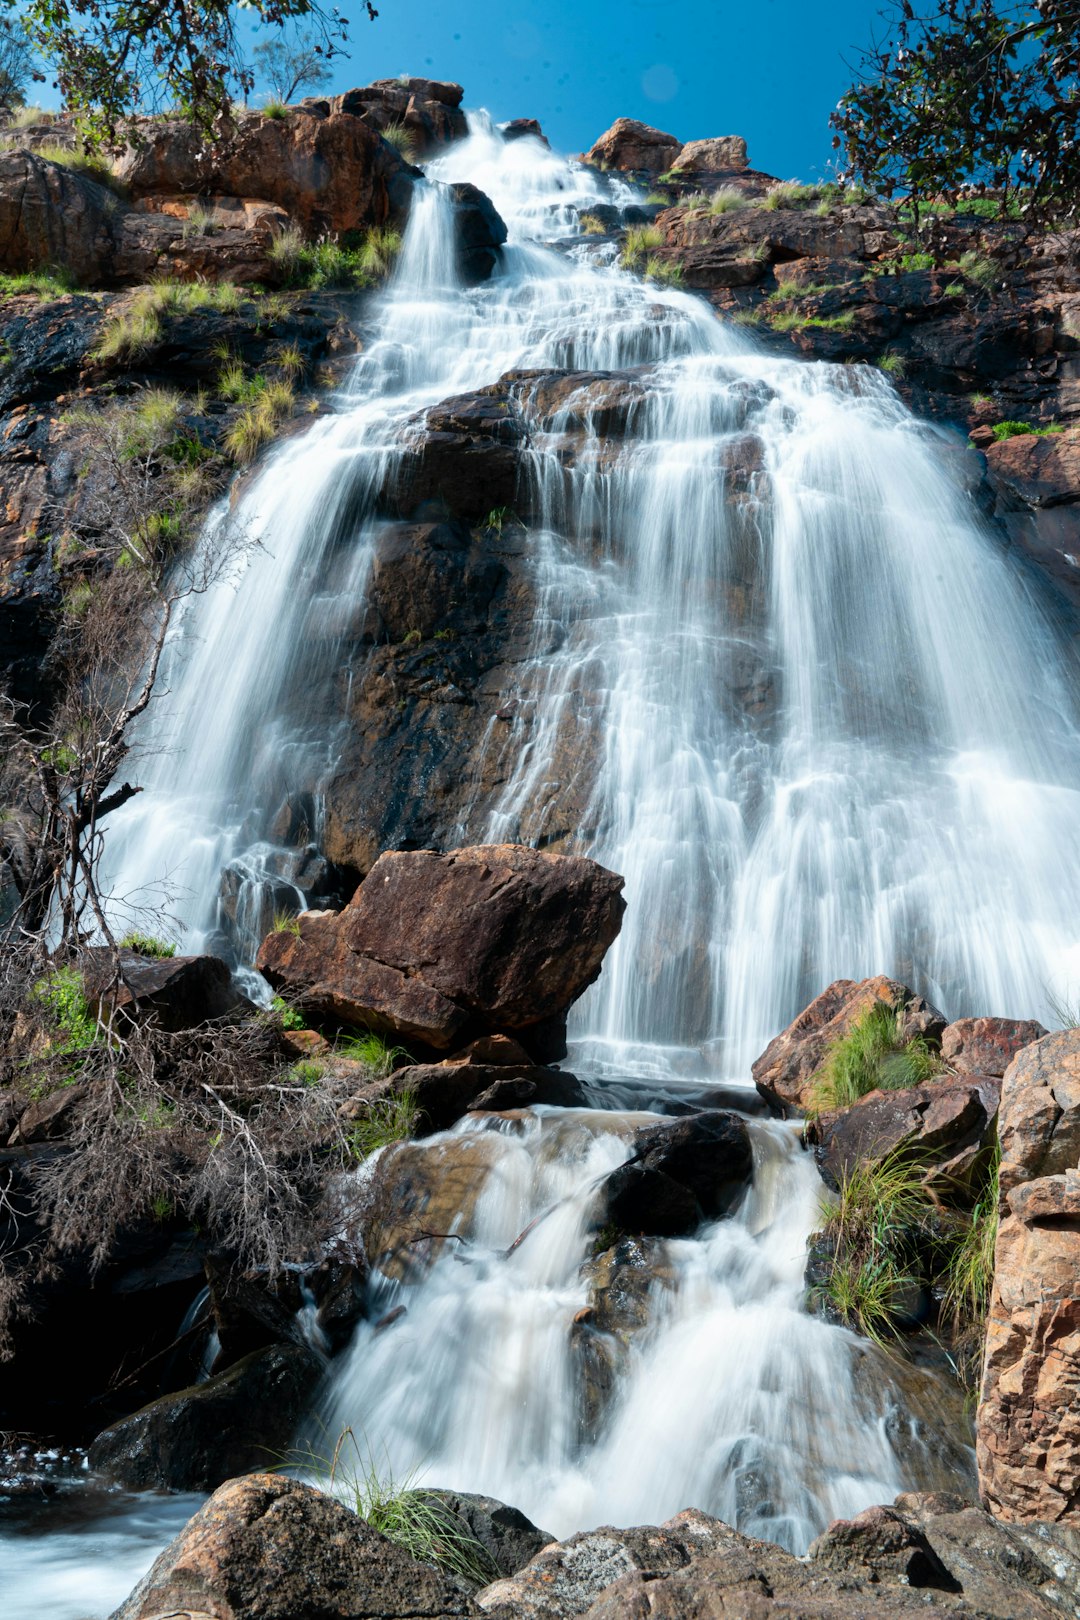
785, 1071
1028, 1421
719, 152
269, 1548
630, 144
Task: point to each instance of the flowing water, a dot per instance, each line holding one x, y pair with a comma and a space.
825, 727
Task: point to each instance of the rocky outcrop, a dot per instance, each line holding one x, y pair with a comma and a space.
195, 1438
785, 1071
444, 1091
428, 110
719, 154
269, 1548
987, 1045
435, 949
946, 1125
1028, 1422
51, 215
631, 145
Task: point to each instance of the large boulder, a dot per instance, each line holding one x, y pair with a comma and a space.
50, 214
629, 144
785, 1072
420, 1199
946, 1124
507, 1537
195, 1438
435, 949
1028, 1421
429, 110
330, 171
987, 1045
269, 1548
479, 233
720, 153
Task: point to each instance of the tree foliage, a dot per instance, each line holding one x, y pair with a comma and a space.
289, 65
115, 57
17, 59
970, 94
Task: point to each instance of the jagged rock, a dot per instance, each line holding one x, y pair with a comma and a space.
785, 1071
987, 1045
719, 152
464, 453
429, 110
177, 992
328, 172
882, 1545
947, 1124
683, 1172
1028, 1421
49, 214
479, 233
518, 128
629, 144
195, 1438
269, 1548
440, 948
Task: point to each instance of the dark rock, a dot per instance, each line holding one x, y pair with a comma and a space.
245, 1316
518, 128
463, 453
708, 1153
883, 1546
785, 1071
426, 577
444, 1092
176, 992
417, 1196
506, 1535
479, 233
639, 1200
987, 1045
195, 1438
435, 948
49, 1117
269, 1548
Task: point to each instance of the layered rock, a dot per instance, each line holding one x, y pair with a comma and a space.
785, 1071
435, 949
269, 1548
1028, 1422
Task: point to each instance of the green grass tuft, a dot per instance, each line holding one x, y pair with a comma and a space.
371, 1049
63, 996
872, 1055
1019, 430
147, 945
392, 1119
638, 242
401, 139
288, 1017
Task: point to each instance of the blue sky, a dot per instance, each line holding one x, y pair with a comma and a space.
770, 70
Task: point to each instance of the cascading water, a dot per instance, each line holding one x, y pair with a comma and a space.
828, 731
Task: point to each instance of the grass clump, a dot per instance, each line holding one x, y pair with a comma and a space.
873, 1055
286, 922
275, 109
200, 222
401, 139
88, 164
876, 1232
27, 117
147, 945
42, 284
259, 421
591, 226
153, 422
638, 243
979, 269
970, 1271
893, 364
330, 264
790, 194
391, 1119
415, 1520
725, 199
371, 1049
1018, 430
662, 270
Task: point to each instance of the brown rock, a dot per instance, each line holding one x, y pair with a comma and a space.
329, 173
785, 1071
947, 1123
1044, 470
50, 214
445, 1091
49, 1117
629, 144
987, 1045
269, 1548
464, 453
433, 948
420, 1195
719, 152
1028, 1421
176, 992
884, 1546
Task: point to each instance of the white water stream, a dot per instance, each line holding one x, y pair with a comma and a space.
834, 733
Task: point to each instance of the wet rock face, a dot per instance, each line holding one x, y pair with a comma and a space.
785, 1071
683, 1172
268, 1548
195, 1438
436, 948
479, 232
947, 1124
629, 144
1028, 1423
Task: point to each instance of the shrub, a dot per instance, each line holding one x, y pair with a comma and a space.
275, 109
147, 945
873, 1054
288, 1017
915, 261
62, 994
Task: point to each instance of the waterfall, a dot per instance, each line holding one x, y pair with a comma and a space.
815, 712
